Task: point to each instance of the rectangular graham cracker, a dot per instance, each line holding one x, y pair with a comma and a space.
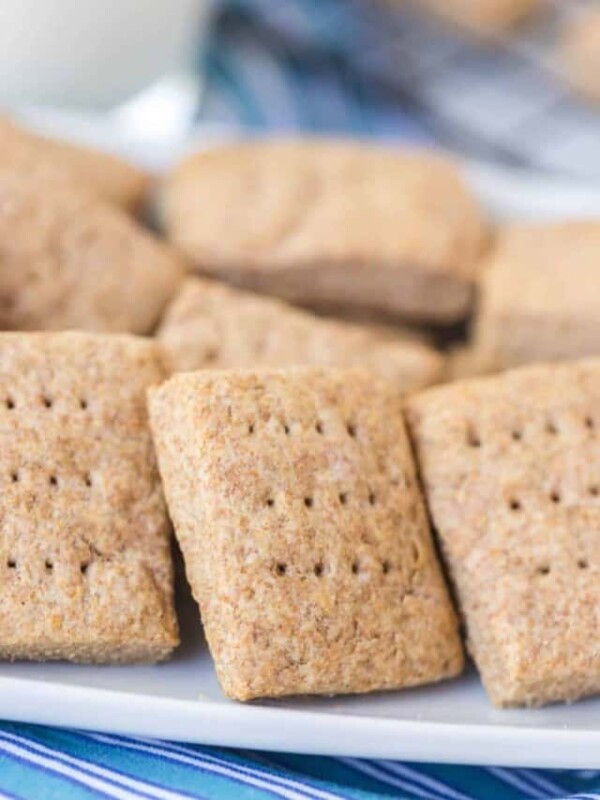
212, 326
511, 470
466, 361
578, 54
331, 224
71, 261
84, 542
102, 174
480, 17
540, 294
305, 539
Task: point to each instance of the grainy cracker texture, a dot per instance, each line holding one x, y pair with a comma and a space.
84, 541
306, 543
511, 470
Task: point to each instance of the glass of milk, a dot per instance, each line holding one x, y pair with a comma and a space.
93, 53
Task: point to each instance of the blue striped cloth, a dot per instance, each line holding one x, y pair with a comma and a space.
283, 65
42, 763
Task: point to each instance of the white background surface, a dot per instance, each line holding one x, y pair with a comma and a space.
452, 722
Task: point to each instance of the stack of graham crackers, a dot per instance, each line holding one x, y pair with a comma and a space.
323, 497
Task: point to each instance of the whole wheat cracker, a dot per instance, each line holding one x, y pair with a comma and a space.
304, 534
102, 174
68, 260
331, 224
491, 17
380, 321
579, 54
540, 294
212, 326
467, 361
511, 470
84, 541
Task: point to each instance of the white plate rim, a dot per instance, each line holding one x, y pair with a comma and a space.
296, 731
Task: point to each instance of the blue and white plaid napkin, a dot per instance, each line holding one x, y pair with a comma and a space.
371, 67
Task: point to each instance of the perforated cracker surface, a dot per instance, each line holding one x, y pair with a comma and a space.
294, 499
84, 539
511, 469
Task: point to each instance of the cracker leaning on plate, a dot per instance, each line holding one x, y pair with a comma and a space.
511, 469
305, 538
212, 326
540, 294
84, 541
331, 224
102, 174
71, 261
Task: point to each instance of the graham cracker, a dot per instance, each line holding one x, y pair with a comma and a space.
212, 326
305, 538
579, 54
84, 541
491, 17
71, 261
466, 361
511, 470
331, 224
540, 294
102, 174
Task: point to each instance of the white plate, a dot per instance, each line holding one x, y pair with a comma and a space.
453, 722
